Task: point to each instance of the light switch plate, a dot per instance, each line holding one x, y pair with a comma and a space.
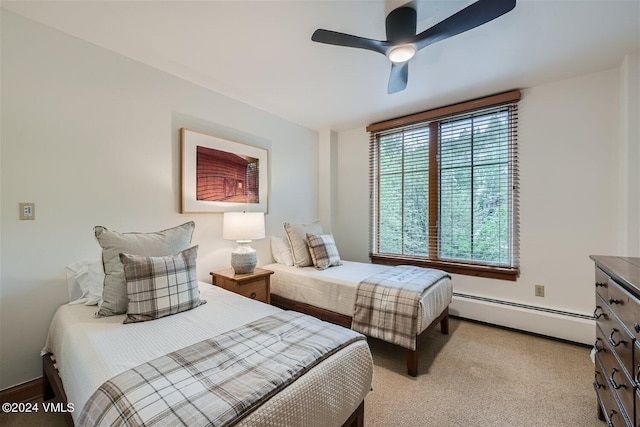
27, 211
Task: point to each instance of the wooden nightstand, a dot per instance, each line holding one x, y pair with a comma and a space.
256, 285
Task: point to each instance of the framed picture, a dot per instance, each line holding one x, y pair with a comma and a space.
219, 175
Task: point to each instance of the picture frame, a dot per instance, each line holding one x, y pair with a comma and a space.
220, 175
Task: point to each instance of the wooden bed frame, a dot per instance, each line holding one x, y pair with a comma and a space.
343, 320
53, 388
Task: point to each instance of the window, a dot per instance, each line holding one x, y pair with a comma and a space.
444, 188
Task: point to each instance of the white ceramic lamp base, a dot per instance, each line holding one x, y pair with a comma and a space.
244, 258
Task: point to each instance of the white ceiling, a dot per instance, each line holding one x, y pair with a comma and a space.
261, 53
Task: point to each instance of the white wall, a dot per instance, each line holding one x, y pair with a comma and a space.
630, 153
93, 139
327, 178
569, 142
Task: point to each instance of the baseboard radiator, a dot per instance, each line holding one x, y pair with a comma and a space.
564, 325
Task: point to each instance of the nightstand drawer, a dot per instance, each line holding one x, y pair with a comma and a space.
255, 289
256, 285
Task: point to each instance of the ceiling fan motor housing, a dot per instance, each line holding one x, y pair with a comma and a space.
401, 25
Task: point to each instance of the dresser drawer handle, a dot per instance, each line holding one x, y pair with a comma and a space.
614, 301
601, 285
595, 346
597, 315
613, 382
596, 383
253, 295
612, 341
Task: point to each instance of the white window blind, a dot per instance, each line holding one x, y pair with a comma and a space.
444, 188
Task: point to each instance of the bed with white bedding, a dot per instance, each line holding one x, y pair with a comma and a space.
89, 351
330, 294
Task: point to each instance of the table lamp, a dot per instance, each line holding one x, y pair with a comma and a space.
243, 227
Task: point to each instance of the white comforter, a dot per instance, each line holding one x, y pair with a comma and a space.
335, 288
91, 350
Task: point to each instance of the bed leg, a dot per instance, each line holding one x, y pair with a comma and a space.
444, 323
357, 418
412, 362
47, 388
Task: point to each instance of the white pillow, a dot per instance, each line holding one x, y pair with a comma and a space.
297, 235
281, 250
85, 280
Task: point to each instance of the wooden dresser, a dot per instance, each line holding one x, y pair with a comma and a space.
617, 345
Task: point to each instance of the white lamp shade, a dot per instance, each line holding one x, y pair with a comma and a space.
243, 226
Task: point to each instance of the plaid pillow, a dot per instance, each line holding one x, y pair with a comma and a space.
324, 251
160, 286
160, 243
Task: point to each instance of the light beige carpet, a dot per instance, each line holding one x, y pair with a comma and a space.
481, 375
477, 375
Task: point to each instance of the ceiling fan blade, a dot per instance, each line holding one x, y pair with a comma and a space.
401, 25
341, 39
398, 78
470, 17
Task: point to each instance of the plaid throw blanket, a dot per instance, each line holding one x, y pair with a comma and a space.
218, 381
388, 303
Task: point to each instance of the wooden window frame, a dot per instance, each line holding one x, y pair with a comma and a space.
451, 266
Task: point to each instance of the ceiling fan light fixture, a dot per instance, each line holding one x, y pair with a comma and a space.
402, 42
401, 53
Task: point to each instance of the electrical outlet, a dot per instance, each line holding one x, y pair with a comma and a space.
539, 290
27, 211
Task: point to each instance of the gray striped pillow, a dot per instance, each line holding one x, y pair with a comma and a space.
160, 286
324, 251
296, 234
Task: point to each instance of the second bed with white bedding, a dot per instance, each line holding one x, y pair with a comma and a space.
334, 289
331, 294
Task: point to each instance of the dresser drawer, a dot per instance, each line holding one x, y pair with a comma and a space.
601, 345
610, 408
602, 284
616, 336
636, 366
638, 408
618, 382
625, 306
602, 313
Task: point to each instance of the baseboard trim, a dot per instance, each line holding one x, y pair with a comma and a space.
25, 392
559, 324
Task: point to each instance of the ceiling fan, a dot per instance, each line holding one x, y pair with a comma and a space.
402, 41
